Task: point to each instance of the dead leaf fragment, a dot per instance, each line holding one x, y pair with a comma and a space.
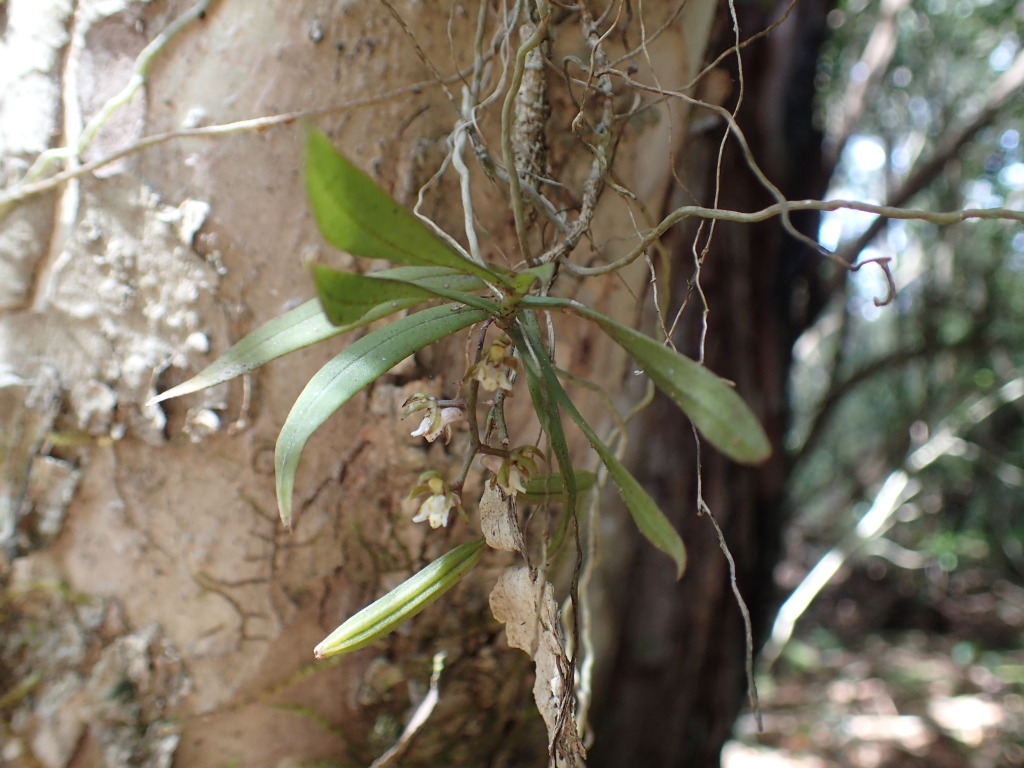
498, 520
526, 605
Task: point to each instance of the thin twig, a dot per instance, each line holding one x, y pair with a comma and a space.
21, 191
421, 53
748, 632
140, 70
941, 218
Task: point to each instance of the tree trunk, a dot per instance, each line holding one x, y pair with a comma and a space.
156, 611
677, 678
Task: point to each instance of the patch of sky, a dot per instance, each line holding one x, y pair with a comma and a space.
1012, 176
902, 77
863, 159
920, 111
981, 193
896, 236
843, 225
1016, 260
1002, 55
901, 158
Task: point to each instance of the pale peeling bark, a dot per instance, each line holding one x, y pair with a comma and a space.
160, 613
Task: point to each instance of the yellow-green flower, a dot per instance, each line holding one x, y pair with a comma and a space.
513, 472
494, 369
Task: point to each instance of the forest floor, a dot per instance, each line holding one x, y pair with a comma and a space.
891, 669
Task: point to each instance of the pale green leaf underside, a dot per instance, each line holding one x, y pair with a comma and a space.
402, 603
306, 325
708, 400
347, 374
357, 216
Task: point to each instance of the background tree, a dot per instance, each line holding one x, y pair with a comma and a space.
905, 439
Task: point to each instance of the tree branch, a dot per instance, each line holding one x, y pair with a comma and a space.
1009, 84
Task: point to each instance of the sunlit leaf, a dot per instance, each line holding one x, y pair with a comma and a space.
709, 401
402, 603
347, 296
347, 374
306, 325
357, 216
649, 519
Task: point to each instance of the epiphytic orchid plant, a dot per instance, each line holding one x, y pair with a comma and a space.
356, 216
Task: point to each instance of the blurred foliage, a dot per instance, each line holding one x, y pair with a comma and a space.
872, 384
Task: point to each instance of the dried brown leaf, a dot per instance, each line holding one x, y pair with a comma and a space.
498, 520
526, 605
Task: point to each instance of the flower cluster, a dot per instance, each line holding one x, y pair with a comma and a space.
514, 471
437, 419
440, 501
495, 367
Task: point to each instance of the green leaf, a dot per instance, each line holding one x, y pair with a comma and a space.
542, 488
402, 603
347, 374
650, 520
298, 328
357, 216
525, 279
347, 296
306, 325
526, 337
709, 401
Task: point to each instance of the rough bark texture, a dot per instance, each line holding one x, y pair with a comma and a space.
677, 679
154, 611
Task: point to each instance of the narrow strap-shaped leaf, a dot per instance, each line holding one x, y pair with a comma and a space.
306, 325
347, 374
347, 296
357, 216
402, 603
708, 400
650, 520
295, 329
526, 337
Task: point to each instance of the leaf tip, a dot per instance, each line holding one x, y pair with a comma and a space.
285, 515
757, 449
167, 395
680, 566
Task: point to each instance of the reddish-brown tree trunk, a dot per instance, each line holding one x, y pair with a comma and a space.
677, 680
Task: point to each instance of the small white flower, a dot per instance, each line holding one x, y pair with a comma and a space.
440, 501
434, 510
437, 421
